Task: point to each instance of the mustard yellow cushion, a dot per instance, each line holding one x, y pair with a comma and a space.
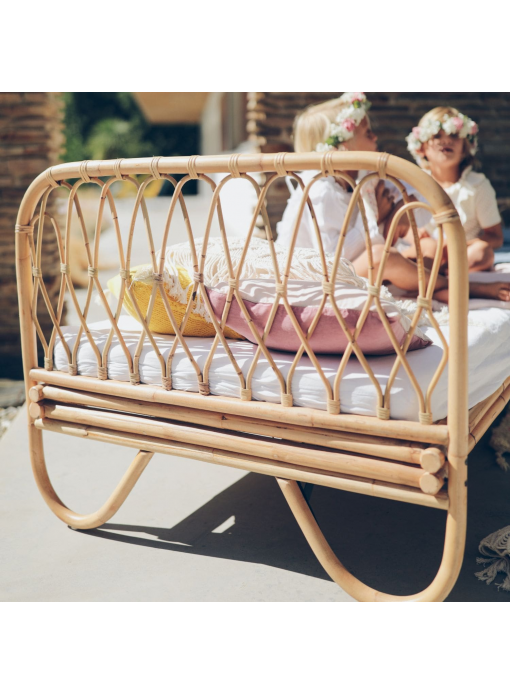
160, 323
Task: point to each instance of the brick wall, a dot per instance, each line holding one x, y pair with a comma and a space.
30, 140
393, 114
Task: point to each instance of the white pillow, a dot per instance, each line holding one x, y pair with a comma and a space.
306, 263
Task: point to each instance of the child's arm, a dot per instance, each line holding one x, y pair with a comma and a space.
385, 202
488, 216
404, 229
402, 226
422, 234
492, 236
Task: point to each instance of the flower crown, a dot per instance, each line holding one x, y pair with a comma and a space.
460, 125
348, 119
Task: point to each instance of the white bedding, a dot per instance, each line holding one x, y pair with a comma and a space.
489, 365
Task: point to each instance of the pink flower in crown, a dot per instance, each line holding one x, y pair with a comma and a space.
417, 132
457, 122
349, 125
357, 96
474, 129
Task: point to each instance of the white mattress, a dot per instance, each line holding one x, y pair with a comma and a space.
489, 365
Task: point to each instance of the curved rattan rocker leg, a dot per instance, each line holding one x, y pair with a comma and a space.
104, 513
438, 590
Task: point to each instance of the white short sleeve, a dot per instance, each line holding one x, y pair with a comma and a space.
330, 203
486, 207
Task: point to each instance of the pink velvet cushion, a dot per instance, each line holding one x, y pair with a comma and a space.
304, 297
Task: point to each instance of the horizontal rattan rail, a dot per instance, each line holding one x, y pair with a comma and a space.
257, 464
418, 462
300, 417
429, 458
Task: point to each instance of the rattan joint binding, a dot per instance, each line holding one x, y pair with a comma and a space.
134, 378
327, 167
116, 169
445, 216
203, 388
64, 268
383, 413
287, 400
383, 163
424, 303
167, 382
23, 229
154, 167
48, 364
92, 272
233, 166
425, 418
83, 171
192, 169
246, 394
102, 373
333, 407
50, 179
36, 272
279, 164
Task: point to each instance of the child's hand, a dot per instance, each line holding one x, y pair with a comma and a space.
385, 202
402, 224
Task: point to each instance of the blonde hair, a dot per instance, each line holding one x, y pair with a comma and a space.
437, 114
311, 126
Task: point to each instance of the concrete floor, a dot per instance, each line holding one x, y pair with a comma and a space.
193, 531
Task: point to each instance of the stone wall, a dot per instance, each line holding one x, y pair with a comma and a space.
31, 139
270, 117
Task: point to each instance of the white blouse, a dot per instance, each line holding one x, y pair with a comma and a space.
475, 201
330, 202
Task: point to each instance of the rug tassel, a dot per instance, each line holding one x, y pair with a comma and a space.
500, 440
502, 462
496, 549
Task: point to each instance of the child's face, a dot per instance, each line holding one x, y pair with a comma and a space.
364, 140
444, 150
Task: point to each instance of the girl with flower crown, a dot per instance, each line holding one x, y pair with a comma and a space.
336, 124
444, 143
343, 124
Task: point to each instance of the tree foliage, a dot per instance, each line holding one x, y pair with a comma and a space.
108, 125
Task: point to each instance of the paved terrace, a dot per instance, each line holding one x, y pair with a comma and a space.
193, 531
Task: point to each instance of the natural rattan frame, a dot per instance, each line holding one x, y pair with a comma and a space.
376, 456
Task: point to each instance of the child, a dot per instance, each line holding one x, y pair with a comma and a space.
343, 124
444, 143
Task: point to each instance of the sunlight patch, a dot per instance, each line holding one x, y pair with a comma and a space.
225, 525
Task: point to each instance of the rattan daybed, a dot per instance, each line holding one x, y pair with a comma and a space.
421, 462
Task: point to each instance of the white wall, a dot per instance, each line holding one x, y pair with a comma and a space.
211, 141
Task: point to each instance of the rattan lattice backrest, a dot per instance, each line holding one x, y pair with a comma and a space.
70, 178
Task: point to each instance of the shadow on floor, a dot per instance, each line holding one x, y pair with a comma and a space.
393, 546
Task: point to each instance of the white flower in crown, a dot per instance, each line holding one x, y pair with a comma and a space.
347, 120
324, 147
460, 125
